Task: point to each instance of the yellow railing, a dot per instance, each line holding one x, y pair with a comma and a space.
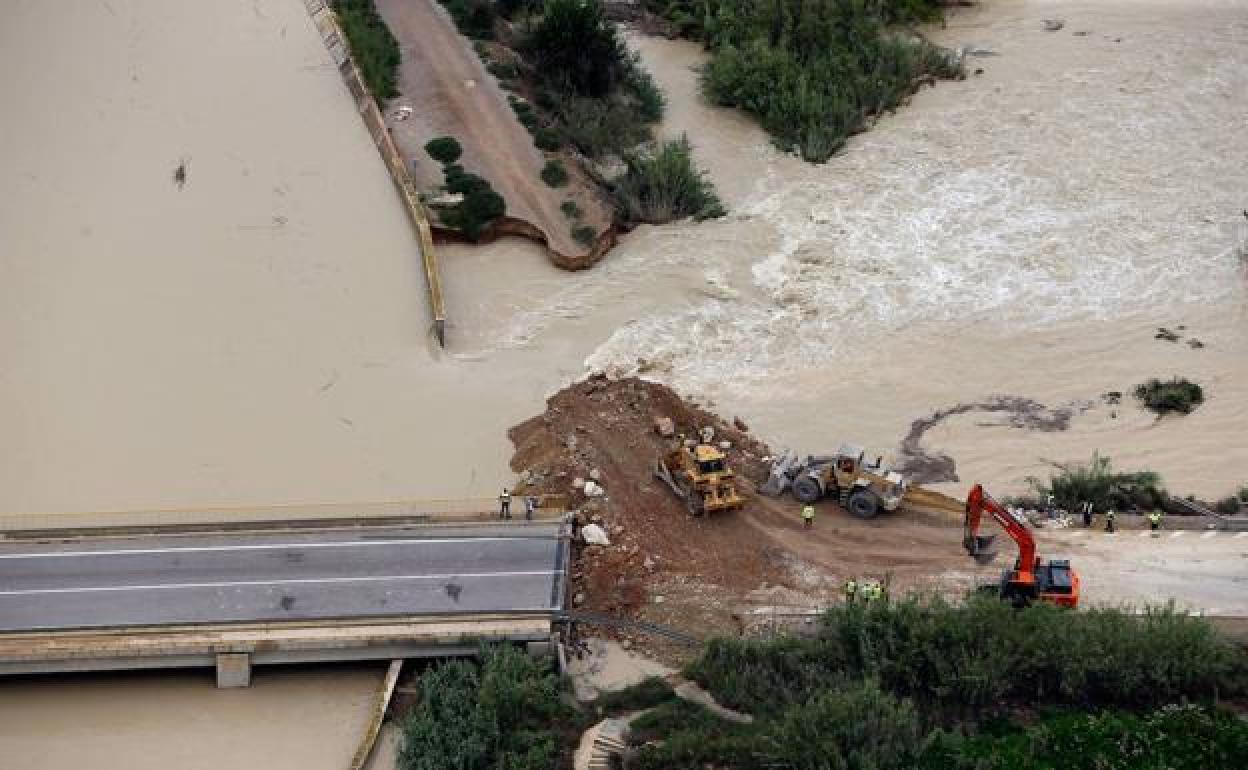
336, 42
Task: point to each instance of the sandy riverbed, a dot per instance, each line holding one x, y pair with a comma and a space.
1022, 232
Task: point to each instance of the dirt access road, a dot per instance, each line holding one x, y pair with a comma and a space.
451, 94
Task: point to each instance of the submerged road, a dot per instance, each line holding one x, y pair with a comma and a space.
299, 576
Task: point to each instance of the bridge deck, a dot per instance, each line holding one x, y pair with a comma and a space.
178, 580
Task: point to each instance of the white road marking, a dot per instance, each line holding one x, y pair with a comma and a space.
257, 547
1180, 533
1207, 535
291, 581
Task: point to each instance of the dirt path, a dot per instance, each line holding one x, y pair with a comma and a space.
452, 94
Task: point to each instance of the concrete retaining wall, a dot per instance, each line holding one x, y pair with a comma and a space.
336, 43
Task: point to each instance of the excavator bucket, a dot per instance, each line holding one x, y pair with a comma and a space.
982, 548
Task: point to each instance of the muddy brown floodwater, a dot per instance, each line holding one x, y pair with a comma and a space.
1020, 233
289, 719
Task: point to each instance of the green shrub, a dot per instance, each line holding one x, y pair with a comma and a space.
1176, 395
599, 127
480, 207
650, 101
463, 182
649, 692
497, 715
858, 728
373, 48
1179, 737
546, 139
571, 210
678, 735
577, 50
664, 185
445, 149
976, 659
502, 70
473, 18
1097, 483
554, 174
584, 235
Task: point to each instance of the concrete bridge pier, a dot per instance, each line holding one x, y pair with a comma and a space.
233, 669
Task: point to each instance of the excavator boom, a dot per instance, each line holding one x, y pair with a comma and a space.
1031, 578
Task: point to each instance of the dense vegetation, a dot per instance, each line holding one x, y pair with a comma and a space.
1175, 395
1098, 483
813, 71
495, 714
596, 92
864, 728
922, 684
480, 205
980, 658
373, 48
663, 184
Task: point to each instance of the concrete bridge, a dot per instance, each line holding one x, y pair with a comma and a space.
241, 599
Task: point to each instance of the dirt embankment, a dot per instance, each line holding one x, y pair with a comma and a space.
706, 574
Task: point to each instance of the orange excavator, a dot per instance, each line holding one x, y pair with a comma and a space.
1032, 578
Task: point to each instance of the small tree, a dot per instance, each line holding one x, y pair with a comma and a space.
445, 149
578, 49
554, 174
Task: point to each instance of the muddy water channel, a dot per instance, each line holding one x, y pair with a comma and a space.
289, 719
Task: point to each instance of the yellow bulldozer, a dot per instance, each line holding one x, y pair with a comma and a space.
700, 476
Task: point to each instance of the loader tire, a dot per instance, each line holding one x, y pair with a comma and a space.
807, 490
863, 505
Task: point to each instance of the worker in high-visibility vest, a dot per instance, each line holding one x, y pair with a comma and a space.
851, 591
1154, 520
808, 516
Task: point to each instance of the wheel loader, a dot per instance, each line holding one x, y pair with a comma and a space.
862, 487
700, 476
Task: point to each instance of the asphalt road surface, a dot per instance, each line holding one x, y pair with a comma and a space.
236, 578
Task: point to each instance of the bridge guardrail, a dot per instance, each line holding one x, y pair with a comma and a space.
436, 510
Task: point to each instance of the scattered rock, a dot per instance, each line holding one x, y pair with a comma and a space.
595, 474
627, 644
665, 427
975, 50
1081, 33
1053, 25
648, 563
578, 483
593, 534
707, 433
740, 425
579, 599
660, 599
725, 445
1195, 344
618, 529
593, 489
1165, 334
